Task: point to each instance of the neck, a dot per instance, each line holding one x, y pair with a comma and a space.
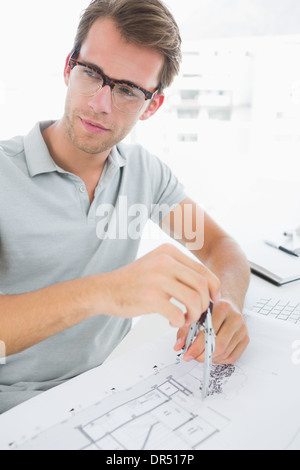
69, 157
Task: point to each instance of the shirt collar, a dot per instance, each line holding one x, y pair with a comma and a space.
117, 158
39, 160
36, 151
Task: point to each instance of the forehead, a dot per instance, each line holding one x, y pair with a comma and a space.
105, 47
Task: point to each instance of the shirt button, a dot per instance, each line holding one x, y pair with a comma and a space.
82, 189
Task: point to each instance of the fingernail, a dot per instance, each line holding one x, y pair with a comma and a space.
189, 358
178, 342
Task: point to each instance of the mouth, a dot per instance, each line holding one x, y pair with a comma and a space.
93, 127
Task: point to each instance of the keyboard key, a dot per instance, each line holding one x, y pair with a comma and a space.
278, 309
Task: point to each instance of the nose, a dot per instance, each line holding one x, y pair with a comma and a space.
102, 101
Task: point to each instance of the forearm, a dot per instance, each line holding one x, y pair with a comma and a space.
228, 262
28, 319
219, 252
222, 256
142, 287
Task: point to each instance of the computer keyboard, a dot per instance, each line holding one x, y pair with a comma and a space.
288, 311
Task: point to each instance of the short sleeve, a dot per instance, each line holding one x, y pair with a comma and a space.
168, 192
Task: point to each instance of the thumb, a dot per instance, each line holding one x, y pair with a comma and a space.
181, 338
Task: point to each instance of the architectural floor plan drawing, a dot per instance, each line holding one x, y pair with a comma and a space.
150, 399
164, 411
159, 417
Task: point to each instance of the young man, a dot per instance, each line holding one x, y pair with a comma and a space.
68, 269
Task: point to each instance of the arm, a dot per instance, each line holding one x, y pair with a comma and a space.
142, 287
28, 319
222, 255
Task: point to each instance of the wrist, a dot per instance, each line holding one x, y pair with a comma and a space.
95, 293
235, 304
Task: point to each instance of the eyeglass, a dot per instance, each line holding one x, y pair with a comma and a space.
88, 80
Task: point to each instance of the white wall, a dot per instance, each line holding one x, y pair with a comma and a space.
36, 36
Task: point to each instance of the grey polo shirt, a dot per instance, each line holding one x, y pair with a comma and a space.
50, 233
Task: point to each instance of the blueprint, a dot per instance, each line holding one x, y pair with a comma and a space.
150, 399
165, 411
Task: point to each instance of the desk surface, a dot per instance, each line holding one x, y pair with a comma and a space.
55, 406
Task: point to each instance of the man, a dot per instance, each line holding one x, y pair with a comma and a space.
69, 277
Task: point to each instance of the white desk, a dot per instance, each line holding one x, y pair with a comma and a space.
55, 406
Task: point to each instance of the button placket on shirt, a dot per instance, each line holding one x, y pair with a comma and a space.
106, 178
110, 169
83, 195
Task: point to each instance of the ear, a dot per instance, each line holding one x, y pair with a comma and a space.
67, 70
153, 107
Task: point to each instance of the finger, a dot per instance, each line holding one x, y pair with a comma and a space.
229, 329
178, 255
224, 354
231, 332
213, 282
195, 301
238, 343
197, 349
237, 352
232, 353
181, 338
172, 313
218, 319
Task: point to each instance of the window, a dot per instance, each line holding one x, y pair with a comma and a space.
188, 113
187, 137
189, 95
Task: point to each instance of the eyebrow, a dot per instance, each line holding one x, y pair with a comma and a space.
99, 69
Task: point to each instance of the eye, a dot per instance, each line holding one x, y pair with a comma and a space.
125, 90
90, 74
128, 92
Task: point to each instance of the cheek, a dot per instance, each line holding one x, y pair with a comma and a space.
128, 124
70, 102
122, 126
74, 102
123, 121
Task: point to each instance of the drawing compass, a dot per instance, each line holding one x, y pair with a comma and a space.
204, 324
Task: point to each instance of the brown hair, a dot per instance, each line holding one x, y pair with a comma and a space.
145, 23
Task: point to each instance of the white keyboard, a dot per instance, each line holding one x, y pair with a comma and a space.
283, 310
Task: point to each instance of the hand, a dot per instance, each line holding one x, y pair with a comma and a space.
148, 284
231, 336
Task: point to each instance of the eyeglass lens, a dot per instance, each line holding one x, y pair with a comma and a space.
88, 83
